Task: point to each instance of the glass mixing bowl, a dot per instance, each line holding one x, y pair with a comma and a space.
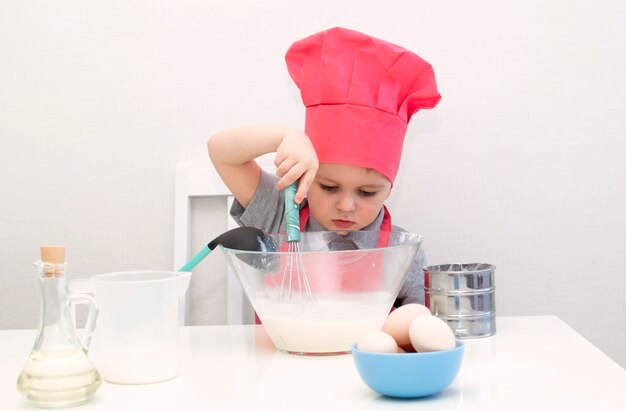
322, 298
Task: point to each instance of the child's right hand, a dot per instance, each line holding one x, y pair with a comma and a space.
296, 160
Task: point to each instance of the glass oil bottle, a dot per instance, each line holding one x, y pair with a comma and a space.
58, 372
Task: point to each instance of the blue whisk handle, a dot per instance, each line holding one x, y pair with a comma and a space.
292, 213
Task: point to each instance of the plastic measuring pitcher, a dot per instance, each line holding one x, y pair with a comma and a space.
137, 332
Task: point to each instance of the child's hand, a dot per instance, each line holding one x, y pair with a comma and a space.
296, 160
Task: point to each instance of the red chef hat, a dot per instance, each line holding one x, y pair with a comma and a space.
360, 93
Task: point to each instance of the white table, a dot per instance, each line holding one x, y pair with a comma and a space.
532, 363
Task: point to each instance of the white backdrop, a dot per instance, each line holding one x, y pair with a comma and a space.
521, 165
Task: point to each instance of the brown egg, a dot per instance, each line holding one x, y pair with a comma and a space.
378, 342
398, 322
431, 333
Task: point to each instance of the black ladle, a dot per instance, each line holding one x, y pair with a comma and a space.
240, 238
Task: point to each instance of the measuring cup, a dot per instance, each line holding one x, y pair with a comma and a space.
137, 331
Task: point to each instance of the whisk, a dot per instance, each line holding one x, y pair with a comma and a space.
294, 284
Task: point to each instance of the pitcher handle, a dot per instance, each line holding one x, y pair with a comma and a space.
184, 278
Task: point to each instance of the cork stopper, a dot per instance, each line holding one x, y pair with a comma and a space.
52, 260
53, 254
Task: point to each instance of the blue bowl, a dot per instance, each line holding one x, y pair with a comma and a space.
409, 375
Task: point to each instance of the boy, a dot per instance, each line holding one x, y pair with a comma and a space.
360, 93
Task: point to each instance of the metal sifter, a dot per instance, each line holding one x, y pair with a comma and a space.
463, 295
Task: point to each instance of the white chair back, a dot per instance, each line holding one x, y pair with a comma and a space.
199, 182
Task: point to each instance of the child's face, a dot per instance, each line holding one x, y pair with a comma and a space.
345, 197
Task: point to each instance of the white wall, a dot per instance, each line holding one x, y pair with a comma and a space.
521, 165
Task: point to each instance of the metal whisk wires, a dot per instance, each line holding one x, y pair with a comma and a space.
294, 284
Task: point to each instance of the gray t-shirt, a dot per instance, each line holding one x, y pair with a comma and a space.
266, 212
